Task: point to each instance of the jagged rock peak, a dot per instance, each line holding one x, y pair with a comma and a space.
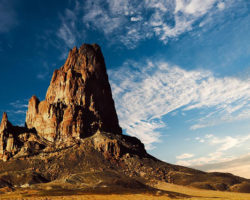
5, 124
5, 117
83, 69
78, 101
84, 57
6, 138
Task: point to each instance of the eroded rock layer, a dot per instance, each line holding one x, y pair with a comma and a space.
18, 141
78, 101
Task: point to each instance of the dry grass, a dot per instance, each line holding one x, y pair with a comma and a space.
196, 194
199, 194
95, 197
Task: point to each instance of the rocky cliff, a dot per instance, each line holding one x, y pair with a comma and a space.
78, 101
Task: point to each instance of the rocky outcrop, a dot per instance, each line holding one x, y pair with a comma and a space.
116, 146
8, 145
78, 101
17, 141
78, 104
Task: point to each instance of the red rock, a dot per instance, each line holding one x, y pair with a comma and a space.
78, 101
5, 124
78, 104
5, 129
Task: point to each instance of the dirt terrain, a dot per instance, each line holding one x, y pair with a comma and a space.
162, 191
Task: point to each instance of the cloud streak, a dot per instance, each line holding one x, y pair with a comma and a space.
132, 21
239, 166
19, 104
70, 32
17, 111
185, 156
145, 92
220, 146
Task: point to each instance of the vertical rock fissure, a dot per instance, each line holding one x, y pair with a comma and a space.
80, 97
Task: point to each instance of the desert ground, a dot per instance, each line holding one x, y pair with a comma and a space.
166, 191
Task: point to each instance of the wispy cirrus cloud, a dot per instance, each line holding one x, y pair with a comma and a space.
145, 92
68, 31
210, 158
129, 22
19, 104
71, 30
220, 145
227, 142
185, 156
16, 111
8, 16
238, 166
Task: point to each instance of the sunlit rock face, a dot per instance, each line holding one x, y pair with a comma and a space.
17, 141
78, 101
78, 104
6, 137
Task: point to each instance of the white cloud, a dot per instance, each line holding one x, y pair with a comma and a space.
210, 158
239, 166
200, 139
136, 19
70, 32
221, 6
99, 18
130, 21
209, 136
228, 142
19, 112
185, 156
16, 111
8, 17
145, 92
19, 104
194, 7
182, 162
67, 31
220, 146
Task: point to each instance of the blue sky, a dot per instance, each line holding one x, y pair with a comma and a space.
179, 69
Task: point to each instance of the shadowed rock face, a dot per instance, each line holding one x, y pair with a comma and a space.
78, 101
17, 141
78, 104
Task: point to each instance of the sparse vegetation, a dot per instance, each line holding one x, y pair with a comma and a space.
163, 191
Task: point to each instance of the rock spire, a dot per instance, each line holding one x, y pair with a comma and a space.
78, 104
78, 101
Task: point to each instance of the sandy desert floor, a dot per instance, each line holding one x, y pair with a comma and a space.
195, 194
